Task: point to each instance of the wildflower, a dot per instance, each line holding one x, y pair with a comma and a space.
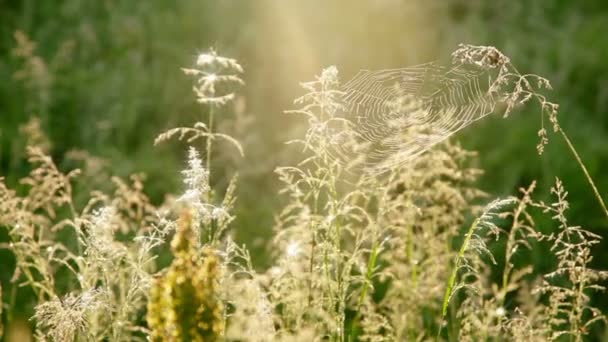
184, 304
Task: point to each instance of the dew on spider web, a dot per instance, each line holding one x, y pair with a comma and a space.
399, 114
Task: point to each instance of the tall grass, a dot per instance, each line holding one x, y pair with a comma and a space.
356, 255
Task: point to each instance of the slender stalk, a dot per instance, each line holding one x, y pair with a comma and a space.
577, 313
12, 302
368, 278
313, 244
409, 252
509, 252
452, 279
209, 139
338, 248
582, 165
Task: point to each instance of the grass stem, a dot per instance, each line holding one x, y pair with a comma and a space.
582, 165
452, 280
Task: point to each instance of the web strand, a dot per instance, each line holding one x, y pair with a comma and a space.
401, 113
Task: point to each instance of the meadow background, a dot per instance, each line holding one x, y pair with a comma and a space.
104, 77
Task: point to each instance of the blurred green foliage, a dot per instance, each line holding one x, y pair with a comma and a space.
111, 83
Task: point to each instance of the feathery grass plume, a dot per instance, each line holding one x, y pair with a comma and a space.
34, 135
250, 315
105, 270
485, 315
66, 319
474, 244
527, 322
215, 75
214, 219
200, 130
184, 303
95, 172
519, 237
48, 187
507, 85
212, 72
118, 243
33, 223
568, 287
480, 315
34, 73
320, 233
119, 270
375, 326
420, 210
568, 311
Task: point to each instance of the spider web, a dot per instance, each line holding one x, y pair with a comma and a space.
401, 113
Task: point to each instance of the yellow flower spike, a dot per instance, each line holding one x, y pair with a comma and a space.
183, 303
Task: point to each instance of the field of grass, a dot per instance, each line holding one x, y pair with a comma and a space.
387, 205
